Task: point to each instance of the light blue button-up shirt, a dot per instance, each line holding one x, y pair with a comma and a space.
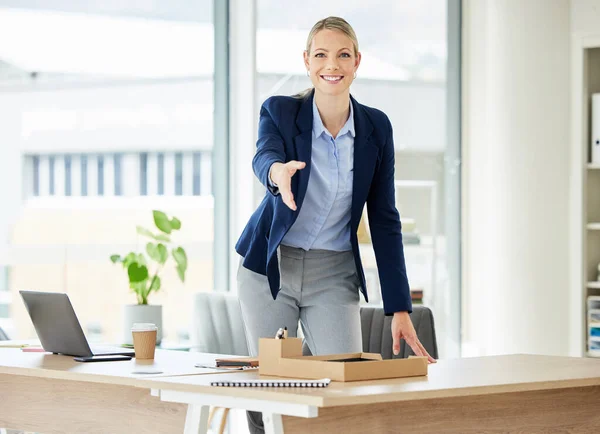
324, 219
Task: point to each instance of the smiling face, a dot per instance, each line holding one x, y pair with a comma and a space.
331, 62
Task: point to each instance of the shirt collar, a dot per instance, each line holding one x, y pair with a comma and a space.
319, 128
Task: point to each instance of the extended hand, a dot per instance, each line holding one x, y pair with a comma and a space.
402, 328
281, 174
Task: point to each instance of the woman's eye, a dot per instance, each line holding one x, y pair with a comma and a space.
345, 55
319, 55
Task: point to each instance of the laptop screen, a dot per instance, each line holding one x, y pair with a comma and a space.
56, 323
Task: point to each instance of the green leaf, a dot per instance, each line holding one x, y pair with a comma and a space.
152, 251
147, 233
129, 259
157, 252
175, 224
181, 273
181, 258
155, 285
163, 253
162, 221
138, 287
137, 272
143, 231
115, 258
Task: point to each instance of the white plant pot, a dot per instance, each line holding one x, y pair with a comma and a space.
133, 313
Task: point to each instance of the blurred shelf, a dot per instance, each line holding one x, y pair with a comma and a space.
593, 284
593, 166
593, 226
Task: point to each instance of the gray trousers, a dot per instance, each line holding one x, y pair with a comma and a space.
319, 288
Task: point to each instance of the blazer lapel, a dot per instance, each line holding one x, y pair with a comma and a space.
303, 145
365, 157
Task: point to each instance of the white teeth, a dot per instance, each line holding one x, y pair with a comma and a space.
332, 78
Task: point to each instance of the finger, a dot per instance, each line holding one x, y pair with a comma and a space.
296, 165
396, 343
288, 199
413, 343
425, 353
422, 351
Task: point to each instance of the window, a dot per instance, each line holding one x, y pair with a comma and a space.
144, 173
100, 175
178, 174
160, 164
118, 175
196, 168
84, 175
186, 168
36, 175
51, 162
109, 122
67, 175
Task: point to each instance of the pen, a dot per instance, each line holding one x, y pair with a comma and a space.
285, 333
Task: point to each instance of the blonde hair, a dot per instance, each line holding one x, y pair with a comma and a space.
329, 23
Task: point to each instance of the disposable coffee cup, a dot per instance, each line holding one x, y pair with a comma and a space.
144, 340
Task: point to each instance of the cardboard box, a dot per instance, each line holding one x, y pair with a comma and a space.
283, 358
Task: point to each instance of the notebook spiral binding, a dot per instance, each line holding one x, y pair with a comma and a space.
269, 383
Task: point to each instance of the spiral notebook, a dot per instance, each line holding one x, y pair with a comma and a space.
324, 382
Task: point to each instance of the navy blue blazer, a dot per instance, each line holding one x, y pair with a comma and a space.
285, 134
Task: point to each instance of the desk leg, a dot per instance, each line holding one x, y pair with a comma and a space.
196, 419
273, 423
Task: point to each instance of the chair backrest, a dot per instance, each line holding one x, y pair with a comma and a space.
377, 334
218, 328
3, 335
217, 325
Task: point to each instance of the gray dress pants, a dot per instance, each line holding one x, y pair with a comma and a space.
319, 289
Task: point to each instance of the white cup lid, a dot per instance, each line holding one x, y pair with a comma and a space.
143, 326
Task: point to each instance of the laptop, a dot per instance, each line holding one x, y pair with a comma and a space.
58, 328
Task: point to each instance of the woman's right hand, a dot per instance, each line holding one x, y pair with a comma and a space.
281, 174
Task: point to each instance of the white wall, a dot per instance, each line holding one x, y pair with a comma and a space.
515, 176
585, 16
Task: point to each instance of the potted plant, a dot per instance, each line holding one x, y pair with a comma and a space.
143, 270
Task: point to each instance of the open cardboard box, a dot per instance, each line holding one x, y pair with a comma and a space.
283, 358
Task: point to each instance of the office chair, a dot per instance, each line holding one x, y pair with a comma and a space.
217, 327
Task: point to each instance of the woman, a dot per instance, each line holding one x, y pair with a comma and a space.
322, 156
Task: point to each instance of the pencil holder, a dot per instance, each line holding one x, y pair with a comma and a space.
270, 351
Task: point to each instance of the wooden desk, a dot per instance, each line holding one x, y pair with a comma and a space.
516, 393
48, 393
